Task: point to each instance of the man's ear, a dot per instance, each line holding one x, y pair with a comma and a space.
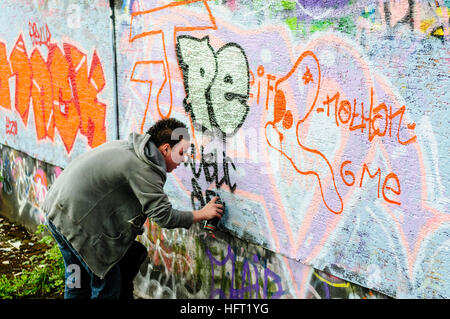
164, 149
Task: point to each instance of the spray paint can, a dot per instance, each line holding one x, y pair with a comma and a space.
211, 225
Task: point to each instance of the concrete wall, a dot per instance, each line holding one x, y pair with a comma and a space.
321, 125
181, 263
57, 77
24, 184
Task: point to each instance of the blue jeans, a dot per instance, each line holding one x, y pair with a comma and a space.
80, 281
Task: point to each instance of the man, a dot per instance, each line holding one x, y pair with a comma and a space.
99, 203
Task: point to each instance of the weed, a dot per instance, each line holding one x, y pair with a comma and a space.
45, 279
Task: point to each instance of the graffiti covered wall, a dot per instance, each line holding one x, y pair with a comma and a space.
56, 77
181, 263
24, 184
184, 264
318, 123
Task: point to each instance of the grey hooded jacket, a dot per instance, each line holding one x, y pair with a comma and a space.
102, 199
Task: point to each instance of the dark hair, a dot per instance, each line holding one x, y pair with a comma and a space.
169, 131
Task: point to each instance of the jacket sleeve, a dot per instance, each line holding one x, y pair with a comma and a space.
156, 204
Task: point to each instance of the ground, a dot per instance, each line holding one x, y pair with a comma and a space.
17, 246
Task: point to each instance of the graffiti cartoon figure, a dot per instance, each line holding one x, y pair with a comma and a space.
288, 137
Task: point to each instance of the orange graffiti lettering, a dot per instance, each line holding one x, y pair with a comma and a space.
265, 80
395, 191
139, 28
67, 120
375, 121
365, 169
410, 126
87, 86
63, 93
22, 70
5, 74
379, 120
41, 94
347, 173
270, 77
361, 125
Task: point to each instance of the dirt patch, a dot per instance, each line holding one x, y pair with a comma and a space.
17, 247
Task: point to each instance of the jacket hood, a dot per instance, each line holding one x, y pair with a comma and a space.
147, 151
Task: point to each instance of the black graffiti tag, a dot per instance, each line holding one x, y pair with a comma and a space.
209, 166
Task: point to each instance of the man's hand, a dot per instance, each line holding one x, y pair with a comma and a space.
209, 211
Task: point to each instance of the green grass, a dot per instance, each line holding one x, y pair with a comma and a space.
45, 280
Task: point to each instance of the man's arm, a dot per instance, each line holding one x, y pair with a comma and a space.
156, 205
209, 211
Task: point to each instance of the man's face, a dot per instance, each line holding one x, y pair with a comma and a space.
175, 155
